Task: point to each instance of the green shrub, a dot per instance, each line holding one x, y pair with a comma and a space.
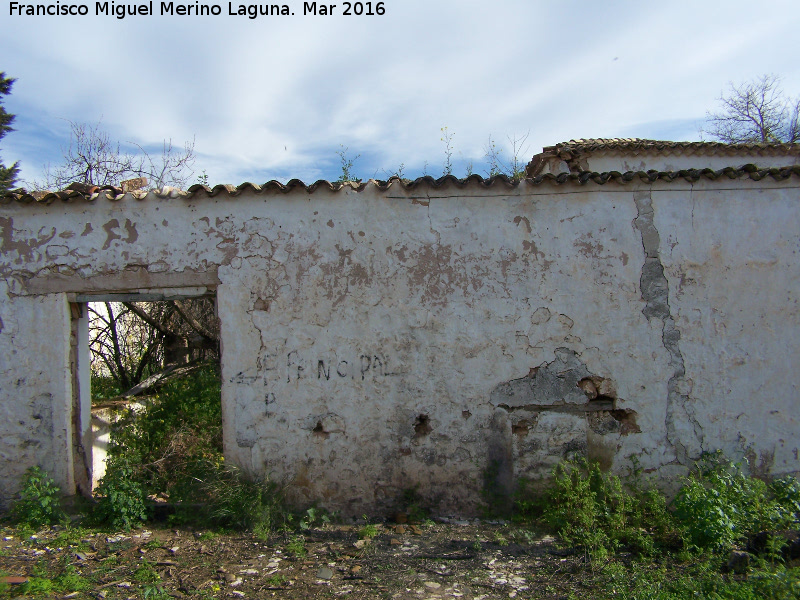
720, 505
232, 500
39, 501
120, 497
592, 510
104, 387
175, 437
173, 448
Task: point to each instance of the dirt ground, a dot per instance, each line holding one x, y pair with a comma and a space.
457, 559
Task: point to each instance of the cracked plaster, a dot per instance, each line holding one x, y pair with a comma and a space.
348, 317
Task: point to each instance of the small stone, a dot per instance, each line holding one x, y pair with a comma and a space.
174, 549
432, 585
361, 543
237, 594
355, 568
324, 573
401, 518
248, 572
13, 580
400, 529
395, 542
738, 562
102, 594
125, 585
415, 530
236, 582
72, 595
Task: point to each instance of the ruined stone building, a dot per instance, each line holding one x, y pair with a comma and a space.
630, 298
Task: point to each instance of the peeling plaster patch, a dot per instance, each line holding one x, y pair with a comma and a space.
56, 251
87, 230
655, 294
555, 386
518, 219
588, 249
541, 315
26, 248
111, 235
133, 235
340, 275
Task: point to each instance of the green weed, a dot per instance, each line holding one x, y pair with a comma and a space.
720, 505
39, 500
297, 546
368, 531
276, 580
592, 510
314, 517
120, 497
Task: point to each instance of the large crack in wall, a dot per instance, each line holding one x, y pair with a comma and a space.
682, 428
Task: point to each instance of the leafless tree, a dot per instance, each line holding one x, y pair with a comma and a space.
755, 112
131, 341
92, 157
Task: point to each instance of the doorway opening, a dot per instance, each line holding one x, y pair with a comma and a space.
150, 366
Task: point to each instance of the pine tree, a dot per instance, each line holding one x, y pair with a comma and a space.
7, 174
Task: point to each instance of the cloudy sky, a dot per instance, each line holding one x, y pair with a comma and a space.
276, 97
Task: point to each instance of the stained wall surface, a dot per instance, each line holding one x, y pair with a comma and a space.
433, 337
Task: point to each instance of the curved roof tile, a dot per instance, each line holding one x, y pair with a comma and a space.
583, 178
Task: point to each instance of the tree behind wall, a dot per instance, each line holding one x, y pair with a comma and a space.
92, 157
131, 341
756, 112
8, 175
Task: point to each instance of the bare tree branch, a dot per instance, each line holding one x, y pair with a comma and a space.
93, 158
194, 323
755, 112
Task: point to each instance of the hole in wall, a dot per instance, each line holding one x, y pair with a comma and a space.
319, 431
521, 428
627, 420
589, 388
422, 426
466, 414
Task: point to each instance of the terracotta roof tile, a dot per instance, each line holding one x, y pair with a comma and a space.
692, 175
571, 150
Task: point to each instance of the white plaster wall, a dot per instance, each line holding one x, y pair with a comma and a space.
35, 390
348, 318
734, 289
